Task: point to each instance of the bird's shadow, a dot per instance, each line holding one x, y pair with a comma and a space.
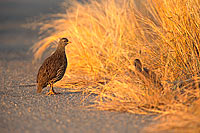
87, 98
60, 91
69, 93
65, 91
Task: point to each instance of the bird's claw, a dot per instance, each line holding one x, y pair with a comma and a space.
51, 93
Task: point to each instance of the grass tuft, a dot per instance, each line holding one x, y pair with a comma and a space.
108, 35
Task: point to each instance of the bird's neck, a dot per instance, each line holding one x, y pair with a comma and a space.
60, 50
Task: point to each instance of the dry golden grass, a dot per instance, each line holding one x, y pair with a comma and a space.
109, 35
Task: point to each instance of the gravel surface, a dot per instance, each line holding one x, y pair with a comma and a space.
21, 108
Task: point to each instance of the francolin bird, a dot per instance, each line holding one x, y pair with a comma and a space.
53, 68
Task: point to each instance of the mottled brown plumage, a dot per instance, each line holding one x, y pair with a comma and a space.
53, 68
147, 73
138, 65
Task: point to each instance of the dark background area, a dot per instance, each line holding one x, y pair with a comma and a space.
16, 13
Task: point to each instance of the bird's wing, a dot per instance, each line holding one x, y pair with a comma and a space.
48, 70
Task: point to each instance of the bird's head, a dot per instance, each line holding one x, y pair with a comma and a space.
63, 42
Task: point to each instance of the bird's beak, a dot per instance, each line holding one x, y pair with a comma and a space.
69, 42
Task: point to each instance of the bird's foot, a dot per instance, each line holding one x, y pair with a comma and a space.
51, 93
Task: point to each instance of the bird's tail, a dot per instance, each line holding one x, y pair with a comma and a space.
39, 88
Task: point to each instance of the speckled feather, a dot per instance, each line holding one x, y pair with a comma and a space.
53, 68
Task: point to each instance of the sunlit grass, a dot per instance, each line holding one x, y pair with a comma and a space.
108, 36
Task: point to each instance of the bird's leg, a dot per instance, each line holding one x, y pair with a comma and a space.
51, 91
